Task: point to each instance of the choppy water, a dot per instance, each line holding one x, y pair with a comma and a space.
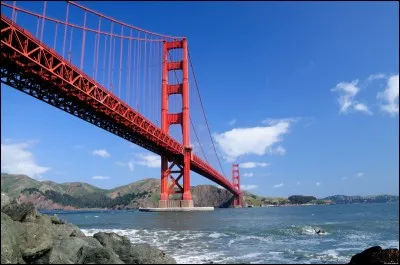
254, 235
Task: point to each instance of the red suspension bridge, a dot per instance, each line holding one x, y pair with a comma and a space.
131, 82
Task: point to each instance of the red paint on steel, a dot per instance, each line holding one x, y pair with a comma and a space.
32, 67
237, 202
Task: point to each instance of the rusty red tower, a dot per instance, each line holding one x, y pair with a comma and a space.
182, 165
237, 202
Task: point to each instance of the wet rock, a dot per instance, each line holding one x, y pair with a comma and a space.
34, 240
10, 253
133, 253
20, 212
376, 255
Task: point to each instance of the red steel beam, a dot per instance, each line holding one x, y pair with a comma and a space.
22, 51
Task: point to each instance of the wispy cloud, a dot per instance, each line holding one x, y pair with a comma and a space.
298, 183
248, 175
248, 187
232, 122
253, 164
376, 76
149, 160
390, 96
344, 178
17, 159
362, 108
255, 140
100, 177
347, 92
360, 174
129, 165
102, 153
318, 183
280, 185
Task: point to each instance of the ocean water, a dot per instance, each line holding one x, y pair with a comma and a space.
254, 235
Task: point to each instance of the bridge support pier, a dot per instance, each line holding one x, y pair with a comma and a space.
181, 164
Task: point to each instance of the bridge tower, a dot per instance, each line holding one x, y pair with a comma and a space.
181, 164
237, 202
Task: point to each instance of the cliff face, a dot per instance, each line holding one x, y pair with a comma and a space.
207, 195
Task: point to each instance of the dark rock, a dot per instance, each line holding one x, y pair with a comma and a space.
10, 253
67, 250
99, 255
65, 231
146, 254
20, 212
376, 255
133, 253
34, 240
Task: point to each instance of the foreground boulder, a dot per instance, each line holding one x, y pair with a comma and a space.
376, 255
10, 252
133, 253
27, 237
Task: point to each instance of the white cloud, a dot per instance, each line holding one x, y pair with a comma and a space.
390, 96
102, 153
253, 165
100, 177
16, 159
248, 187
256, 140
279, 150
318, 183
232, 122
347, 92
278, 185
248, 175
362, 107
376, 76
149, 160
360, 174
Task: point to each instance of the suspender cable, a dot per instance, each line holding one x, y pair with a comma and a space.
109, 59
128, 80
70, 45
13, 11
83, 41
120, 63
65, 31
98, 48
55, 37
104, 60
44, 13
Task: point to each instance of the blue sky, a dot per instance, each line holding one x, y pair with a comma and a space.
303, 95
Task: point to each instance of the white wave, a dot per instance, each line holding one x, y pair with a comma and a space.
216, 235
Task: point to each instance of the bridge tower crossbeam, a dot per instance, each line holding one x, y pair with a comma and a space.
182, 164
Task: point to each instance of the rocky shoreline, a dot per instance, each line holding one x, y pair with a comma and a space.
28, 237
